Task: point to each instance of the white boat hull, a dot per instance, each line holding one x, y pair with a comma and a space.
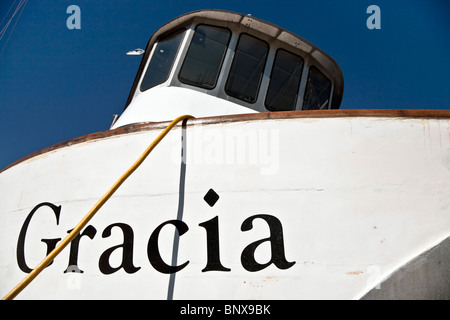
308, 208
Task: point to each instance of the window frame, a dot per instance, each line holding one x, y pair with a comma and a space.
264, 66
300, 78
219, 69
180, 32
311, 67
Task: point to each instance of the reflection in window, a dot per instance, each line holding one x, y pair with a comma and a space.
162, 60
318, 89
284, 82
247, 68
205, 56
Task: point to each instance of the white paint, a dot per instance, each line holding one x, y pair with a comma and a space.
166, 103
357, 199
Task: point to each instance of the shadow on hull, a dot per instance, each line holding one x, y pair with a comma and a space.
427, 277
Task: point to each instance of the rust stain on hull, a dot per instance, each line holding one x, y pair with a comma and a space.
355, 273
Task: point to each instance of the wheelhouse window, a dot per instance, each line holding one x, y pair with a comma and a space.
162, 60
205, 56
284, 82
317, 92
247, 68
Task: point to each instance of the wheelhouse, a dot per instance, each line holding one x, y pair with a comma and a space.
239, 59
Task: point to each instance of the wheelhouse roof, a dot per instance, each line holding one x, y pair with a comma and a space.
256, 27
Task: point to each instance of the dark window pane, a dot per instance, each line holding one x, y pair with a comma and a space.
284, 82
317, 92
205, 56
162, 61
247, 68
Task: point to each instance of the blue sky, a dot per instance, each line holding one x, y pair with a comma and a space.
57, 84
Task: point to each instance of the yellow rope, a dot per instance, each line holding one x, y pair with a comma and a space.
35, 272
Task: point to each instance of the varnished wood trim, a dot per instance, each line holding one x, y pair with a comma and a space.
341, 113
